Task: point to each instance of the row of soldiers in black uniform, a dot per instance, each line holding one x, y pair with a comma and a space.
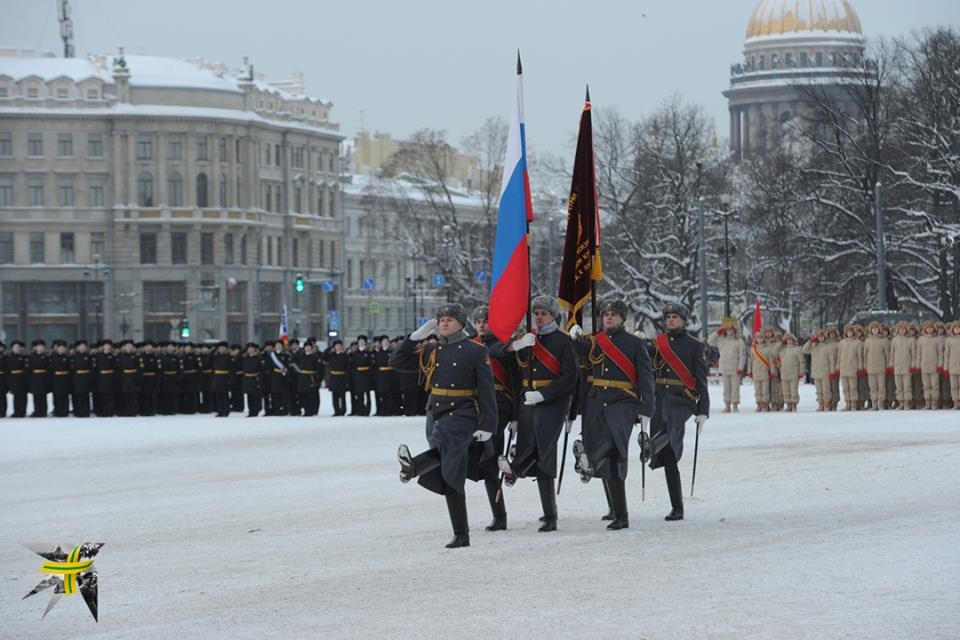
484, 392
166, 378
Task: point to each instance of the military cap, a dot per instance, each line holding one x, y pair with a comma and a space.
37, 343
453, 310
677, 308
548, 304
481, 313
618, 307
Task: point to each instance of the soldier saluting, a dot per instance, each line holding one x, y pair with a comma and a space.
680, 372
621, 393
462, 407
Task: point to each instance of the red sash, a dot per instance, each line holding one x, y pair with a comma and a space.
546, 358
611, 351
663, 344
499, 371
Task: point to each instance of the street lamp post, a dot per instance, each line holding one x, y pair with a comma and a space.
97, 266
703, 273
881, 251
725, 214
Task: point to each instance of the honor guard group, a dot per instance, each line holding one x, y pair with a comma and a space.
496, 411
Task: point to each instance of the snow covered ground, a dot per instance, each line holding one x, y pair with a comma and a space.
804, 525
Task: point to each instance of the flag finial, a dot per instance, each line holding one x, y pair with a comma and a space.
519, 66
588, 93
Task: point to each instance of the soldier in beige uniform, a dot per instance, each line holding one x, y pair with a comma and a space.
863, 385
772, 345
915, 377
930, 363
903, 355
822, 366
791, 371
760, 371
833, 341
946, 398
733, 355
850, 361
951, 361
888, 377
876, 358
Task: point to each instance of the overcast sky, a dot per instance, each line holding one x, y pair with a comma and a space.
448, 65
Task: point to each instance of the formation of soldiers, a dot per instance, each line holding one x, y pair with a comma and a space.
107, 379
496, 410
875, 367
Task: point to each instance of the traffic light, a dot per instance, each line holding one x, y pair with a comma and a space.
184, 329
298, 285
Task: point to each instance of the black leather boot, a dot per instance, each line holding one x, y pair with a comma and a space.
548, 499
673, 487
457, 507
618, 496
497, 507
611, 515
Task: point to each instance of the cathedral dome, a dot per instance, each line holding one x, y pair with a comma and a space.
802, 17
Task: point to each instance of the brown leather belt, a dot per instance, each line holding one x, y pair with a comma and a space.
60, 373
537, 384
454, 393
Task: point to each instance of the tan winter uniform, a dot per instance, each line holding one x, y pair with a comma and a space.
771, 350
791, 371
876, 357
916, 378
930, 363
890, 384
833, 341
850, 362
863, 385
760, 372
951, 363
903, 350
733, 355
822, 365
946, 397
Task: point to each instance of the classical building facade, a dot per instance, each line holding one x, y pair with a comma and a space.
788, 44
137, 192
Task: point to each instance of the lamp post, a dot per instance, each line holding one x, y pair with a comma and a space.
97, 267
703, 273
725, 214
881, 250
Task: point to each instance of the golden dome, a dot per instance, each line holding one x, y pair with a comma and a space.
778, 17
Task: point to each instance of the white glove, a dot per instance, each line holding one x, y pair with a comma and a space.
524, 341
531, 398
576, 331
425, 330
567, 426
482, 436
644, 423
512, 427
700, 420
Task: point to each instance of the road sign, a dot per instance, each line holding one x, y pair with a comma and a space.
481, 276
329, 285
374, 308
368, 283
422, 321
333, 320
438, 280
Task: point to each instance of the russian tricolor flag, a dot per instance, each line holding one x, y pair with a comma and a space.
510, 282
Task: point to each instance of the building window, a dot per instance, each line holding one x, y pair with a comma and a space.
268, 196
222, 149
295, 253
239, 194
148, 248
35, 190
6, 247
202, 190
297, 194
201, 147
269, 297
774, 61
228, 248
276, 156
64, 145
178, 247
163, 297
237, 146
144, 148
37, 253
174, 148
94, 145
66, 247
278, 199
66, 191
330, 164
269, 241
320, 253
62, 93
34, 145
3, 92
804, 59
6, 144
93, 94
279, 252
266, 155
206, 248
819, 58
243, 250
33, 92
175, 190
237, 298
95, 192
223, 191
6, 191
96, 245
145, 190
